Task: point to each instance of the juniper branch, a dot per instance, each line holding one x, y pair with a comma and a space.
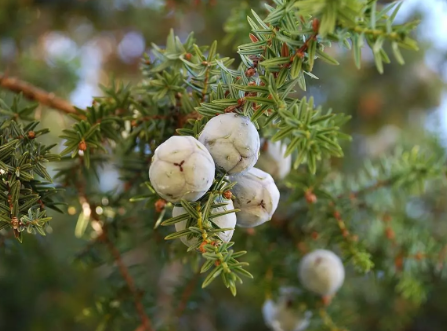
124, 271
187, 292
36, 94
129, 281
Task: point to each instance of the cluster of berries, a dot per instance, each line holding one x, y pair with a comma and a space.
184, 168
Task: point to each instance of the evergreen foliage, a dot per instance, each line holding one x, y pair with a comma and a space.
183, 86
25, 183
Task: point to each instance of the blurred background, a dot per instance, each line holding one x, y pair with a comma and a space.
71, 47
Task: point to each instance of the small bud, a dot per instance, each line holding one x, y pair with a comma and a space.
314, 235
284, 50
227, 194
127, 186
229, 109
160, 205
265, 146
390, 233
419, 256
251, 231
326, 299
188, 56
255, 60
302, 247
82, 145
15, 223
386, 218
120, 111
253, 38
310, 197
202, 247
315, 25
399, 262
31, 135
250, 72
337, 215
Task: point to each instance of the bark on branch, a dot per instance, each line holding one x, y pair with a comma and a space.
124, 271
146, 324
36, 94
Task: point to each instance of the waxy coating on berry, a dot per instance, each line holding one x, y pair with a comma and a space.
322, 272
286, 314
233, 142
182, 168
256, 195
272, 159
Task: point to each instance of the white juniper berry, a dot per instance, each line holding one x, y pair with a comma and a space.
233, 142
223, 222
256, 195
321, 271
182, 168
272, 159
285, 314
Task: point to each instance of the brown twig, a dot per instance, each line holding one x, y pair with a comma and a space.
34, 93
315, 26
187, 292
124, 271
300, 51
146, 324
368, 189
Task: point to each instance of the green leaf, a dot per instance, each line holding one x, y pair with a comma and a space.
189, 208
212, 51
326, 58
297, 64
178, 234
212, 276
312, 52
177, 219
397, 54
357, 48
207, 265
